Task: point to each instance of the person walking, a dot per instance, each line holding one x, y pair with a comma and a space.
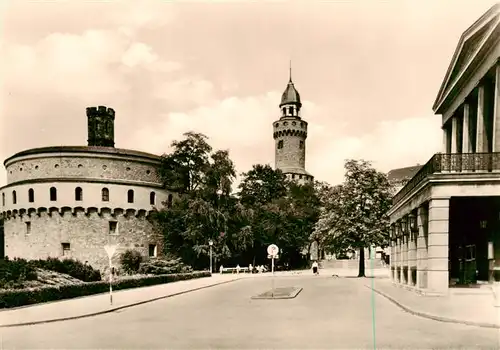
315, 267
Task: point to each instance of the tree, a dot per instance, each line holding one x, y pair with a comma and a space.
355, 214
283, 213
261, 185
184, 169
205, 209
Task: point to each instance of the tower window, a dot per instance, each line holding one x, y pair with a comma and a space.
53, 194
3, 199
78, 194
14, 197
28, 227
130, 196
290, 110
31, 195
152, 198
280, 144
112, 227
65, 248
301, 144
152, 250
105, 194
169, 201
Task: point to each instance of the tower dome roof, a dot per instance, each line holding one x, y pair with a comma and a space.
291, 95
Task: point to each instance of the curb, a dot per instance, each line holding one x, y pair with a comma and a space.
296, 291
434, 317
107, 311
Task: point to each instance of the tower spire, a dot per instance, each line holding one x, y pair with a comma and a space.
290, 72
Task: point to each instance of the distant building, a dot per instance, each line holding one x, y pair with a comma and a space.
399, 177
445, 220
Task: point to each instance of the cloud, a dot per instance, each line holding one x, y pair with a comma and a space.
244, 125
391, 144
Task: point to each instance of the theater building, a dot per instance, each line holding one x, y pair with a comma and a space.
445, 221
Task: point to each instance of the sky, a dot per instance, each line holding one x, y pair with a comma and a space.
367, 71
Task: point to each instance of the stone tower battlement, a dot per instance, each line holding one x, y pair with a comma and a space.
101, 130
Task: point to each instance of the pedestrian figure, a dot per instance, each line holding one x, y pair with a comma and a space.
315, 268
238, 269
221, 269
250, 268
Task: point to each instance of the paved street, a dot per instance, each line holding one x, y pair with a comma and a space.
330, 313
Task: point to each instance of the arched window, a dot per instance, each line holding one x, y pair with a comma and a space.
31, 195
290, 110
280, 144
152, 198
53, 194
301, 144
130, 196
14, 197
105, 194
169, 201
78, 194
3, 198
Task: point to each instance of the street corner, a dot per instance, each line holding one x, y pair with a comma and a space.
279, 293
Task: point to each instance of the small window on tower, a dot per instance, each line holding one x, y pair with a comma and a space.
301, 144
280, 144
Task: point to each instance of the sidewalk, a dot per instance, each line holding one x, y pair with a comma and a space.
100, 303
470, 306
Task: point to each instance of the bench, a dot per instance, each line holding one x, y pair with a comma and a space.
234, 270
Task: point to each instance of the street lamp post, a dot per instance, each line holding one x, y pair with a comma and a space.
210, 243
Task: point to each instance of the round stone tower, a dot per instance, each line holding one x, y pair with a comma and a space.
290, 134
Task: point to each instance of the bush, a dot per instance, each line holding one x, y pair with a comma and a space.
20, 297
164, 266
14, 272
71, 267
131, 261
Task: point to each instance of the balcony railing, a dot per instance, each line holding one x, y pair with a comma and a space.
451, 163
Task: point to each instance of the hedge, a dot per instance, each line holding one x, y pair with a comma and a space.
29, 296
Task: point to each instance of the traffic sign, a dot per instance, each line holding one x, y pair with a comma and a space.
272, 250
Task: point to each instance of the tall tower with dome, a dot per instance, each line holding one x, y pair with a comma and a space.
290, 134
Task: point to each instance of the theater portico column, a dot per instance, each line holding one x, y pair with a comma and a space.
481, 132
422, 247
404, 265
455, 146
496, 119
466, 137
437, 254
446, 139
455, 137
412, 249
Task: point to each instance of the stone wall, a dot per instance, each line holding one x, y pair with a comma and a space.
86, 231
292, 131
98, 166
91, 196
